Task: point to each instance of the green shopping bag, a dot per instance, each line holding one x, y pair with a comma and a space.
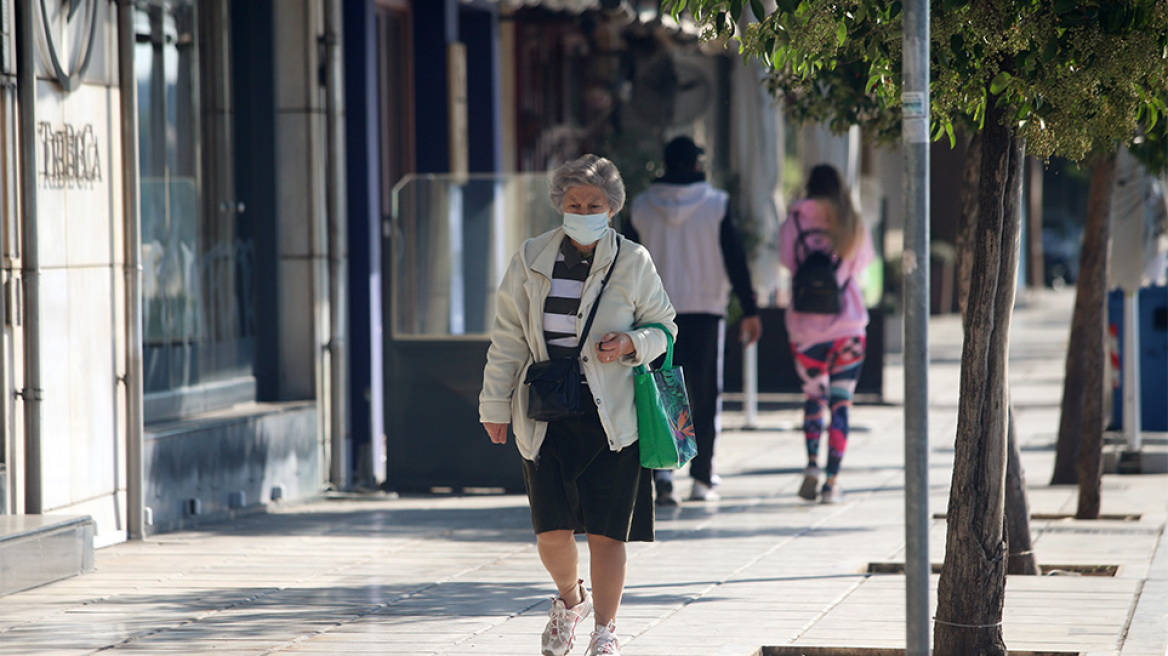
664, 420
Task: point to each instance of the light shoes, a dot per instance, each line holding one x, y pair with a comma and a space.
703, 492
831, 494
604, 641
810, 483
560, 631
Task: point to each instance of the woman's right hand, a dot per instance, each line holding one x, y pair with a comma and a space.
498, 432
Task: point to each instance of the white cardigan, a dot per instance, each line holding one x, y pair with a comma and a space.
634, 297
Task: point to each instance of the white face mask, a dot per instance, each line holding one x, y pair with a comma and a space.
585, 229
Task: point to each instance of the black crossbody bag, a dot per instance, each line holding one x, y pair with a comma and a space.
553, 386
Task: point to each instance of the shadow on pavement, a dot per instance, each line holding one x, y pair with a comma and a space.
503, 522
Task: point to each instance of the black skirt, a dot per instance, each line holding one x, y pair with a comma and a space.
580, 485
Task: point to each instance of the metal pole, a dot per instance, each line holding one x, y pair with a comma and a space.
750, 385
337, 249
1131, 370
915, 144
32, 393
135, 469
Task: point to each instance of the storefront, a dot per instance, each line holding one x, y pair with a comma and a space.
64, 348
549, 82
172, 245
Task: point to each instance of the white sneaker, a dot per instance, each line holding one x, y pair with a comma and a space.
810, 482
604, 641
831, 494
703, 492
560, 631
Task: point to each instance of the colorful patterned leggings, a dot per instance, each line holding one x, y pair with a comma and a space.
829, 371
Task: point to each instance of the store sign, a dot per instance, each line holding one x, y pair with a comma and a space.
69, 156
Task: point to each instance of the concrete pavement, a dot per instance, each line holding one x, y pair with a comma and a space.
460, 575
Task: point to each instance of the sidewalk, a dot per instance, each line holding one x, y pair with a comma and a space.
460, 575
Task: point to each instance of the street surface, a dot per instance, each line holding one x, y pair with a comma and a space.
459, 575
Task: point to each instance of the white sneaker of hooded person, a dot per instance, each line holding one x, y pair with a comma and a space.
703, 492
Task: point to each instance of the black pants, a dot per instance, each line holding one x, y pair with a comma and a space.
698, 350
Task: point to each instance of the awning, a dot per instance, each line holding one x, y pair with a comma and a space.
644, 16
573, 6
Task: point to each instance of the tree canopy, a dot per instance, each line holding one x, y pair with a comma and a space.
1074, 76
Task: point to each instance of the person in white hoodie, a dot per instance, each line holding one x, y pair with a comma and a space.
583, 473
689, 230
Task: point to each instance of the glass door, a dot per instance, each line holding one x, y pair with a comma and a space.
452, 239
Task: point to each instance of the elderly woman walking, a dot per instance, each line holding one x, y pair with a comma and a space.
582, 473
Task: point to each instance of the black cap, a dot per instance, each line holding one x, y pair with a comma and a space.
681, 155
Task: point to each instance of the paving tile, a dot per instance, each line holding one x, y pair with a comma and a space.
451, 576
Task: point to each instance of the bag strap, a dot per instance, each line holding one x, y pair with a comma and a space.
668, 363
798, 226
802, 234
802, 240
596, 303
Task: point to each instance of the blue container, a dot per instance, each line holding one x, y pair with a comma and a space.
1153, 357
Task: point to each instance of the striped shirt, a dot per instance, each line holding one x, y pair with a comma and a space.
562, 306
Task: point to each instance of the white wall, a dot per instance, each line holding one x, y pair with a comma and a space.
303, 245
82, 330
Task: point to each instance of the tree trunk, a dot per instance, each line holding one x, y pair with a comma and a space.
1070, 431
1085, 346
1036, 277
1022, 560
967, 224
1093, 276
971, 590
1082, 385
1021, 551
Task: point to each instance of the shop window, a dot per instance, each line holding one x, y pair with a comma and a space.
197, 271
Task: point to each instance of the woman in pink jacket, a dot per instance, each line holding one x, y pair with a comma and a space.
828, 340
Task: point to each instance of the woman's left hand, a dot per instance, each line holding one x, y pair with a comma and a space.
613, 346
497, 432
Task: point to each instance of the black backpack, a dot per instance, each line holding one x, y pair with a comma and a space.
814, 288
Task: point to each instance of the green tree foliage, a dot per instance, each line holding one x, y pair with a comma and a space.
1061, 77
1150, 147
1075, 76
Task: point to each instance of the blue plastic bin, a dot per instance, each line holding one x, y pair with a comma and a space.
1153, 337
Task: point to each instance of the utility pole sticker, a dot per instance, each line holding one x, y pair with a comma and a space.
915, 106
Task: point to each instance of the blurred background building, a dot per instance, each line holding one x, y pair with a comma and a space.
250, 246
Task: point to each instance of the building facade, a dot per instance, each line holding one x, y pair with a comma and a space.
250, 246
173, 241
